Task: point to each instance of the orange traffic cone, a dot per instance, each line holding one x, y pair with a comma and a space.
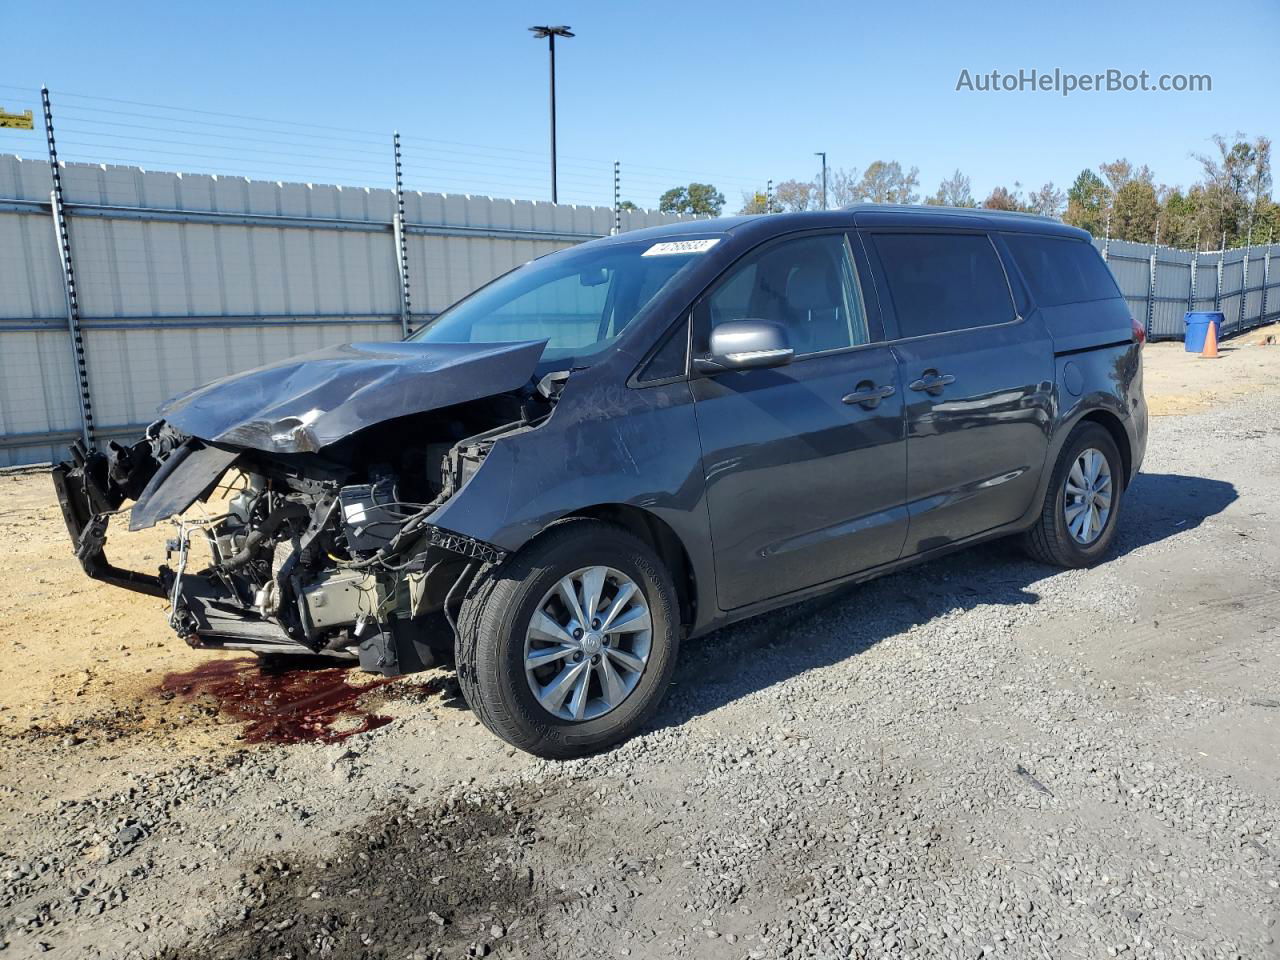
1210, 351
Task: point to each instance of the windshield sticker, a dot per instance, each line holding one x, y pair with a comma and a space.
672, 247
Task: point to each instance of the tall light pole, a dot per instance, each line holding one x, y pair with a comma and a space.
823, 155
551, 33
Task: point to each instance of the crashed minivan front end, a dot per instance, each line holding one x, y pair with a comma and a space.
318, 478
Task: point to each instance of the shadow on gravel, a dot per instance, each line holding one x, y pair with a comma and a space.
739, 660
1160, 505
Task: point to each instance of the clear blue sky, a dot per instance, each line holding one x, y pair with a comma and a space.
732, 92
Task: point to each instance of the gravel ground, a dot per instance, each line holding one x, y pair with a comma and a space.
978, 757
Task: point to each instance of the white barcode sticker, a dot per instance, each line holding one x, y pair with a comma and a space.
672, 247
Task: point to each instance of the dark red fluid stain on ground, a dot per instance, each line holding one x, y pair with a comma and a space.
280, 705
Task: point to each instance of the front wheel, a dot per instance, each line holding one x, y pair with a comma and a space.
1078, 520
568, 647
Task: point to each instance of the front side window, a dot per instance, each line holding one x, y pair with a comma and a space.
941, 282
809, 285
579, 300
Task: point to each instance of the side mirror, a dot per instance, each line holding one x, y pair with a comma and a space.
746, 345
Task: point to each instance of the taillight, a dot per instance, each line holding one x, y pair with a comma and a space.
1139, 332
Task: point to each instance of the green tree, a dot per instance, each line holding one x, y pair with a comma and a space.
954, 191
627, 205
1236, 183
697, 199
1180, 216
1087, 202
1136, 211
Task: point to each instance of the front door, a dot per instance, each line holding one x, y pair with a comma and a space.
805, 464
978, 378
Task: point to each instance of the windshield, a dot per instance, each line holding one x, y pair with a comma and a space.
579, 300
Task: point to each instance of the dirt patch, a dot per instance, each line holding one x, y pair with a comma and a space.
451, 880
1179, 382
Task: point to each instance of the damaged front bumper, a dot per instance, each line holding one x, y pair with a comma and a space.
297, 565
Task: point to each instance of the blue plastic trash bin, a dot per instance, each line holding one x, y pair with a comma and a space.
1198, 329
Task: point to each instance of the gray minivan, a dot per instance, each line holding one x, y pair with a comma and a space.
635, 441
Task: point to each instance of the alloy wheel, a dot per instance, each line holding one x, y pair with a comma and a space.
588, 643
1087, 503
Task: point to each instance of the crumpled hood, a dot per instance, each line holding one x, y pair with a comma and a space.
307, 402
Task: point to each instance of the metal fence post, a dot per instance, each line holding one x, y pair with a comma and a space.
402, 248
1106, 239
1195, 265
63, 237
1266, 280
768, 197
1217, 293
1151, 291
1244, 284
617, 197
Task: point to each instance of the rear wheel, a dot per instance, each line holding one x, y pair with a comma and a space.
568, 647
1078, 520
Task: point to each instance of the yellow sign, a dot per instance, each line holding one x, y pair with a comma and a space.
17, 121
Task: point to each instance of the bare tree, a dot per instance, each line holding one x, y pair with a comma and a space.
795, 196
886, 182
954, 191
842, 187
1048, 201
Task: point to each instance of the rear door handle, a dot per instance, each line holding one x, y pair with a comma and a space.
868, 395
933, 382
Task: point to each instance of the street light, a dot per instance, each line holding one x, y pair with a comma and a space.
823, 155
551, 33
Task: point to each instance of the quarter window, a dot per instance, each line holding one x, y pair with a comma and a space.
942, 282
1060, 270
809, 285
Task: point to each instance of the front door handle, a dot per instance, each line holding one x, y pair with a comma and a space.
933, 382
868, 395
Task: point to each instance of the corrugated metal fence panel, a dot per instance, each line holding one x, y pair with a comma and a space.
1172, 290
1253, 293
37, 385
1232, 274
168, 303
1271, 273
1131, 265
1206, 282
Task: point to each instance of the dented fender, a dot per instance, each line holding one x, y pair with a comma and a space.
606, 445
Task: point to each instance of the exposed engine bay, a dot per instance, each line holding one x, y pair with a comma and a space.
327, 551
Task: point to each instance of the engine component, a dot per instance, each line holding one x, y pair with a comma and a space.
339, 599
369, 516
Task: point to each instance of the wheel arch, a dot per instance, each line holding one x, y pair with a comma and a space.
664, 541
1112, 424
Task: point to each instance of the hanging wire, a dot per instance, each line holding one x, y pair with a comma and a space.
159, 136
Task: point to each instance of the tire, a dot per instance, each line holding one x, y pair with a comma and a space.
494, 630
1051, 540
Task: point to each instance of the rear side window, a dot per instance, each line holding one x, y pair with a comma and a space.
941, 282
1059, 270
